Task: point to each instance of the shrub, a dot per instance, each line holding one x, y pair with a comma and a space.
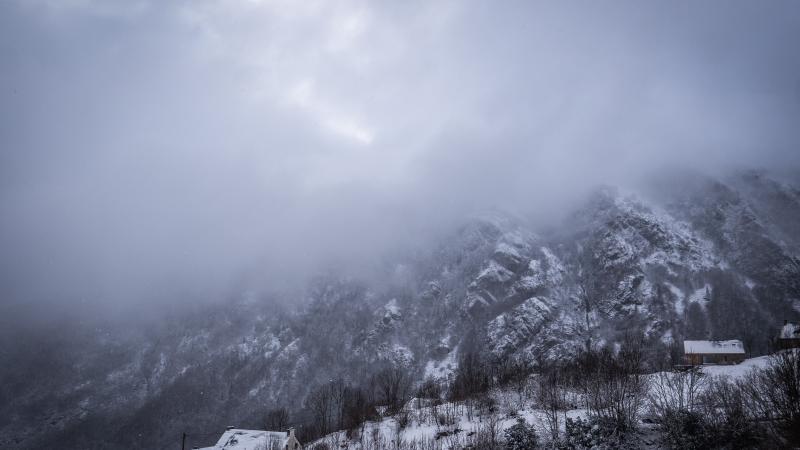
521, 436
774, 394
488, 434
683, 429
676, 391
487, 404
403, 419
596, 434
726, 409
613, 383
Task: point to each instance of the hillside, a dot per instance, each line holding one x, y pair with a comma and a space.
709, 258
454, 425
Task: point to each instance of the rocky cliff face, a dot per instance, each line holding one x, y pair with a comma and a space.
708, 259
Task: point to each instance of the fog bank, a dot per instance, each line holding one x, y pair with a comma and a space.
155, 151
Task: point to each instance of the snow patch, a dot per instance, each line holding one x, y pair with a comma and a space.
495, 272
737, 370
442, 370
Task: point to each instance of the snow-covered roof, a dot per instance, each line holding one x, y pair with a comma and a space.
236, 439
734, 346
790, 331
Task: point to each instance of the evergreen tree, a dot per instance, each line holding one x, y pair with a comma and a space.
521, 436
696, 322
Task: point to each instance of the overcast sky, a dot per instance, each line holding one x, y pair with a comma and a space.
155, 149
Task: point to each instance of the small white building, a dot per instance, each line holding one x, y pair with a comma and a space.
713, 352
236, 439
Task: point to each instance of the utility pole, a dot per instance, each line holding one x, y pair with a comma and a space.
183, 442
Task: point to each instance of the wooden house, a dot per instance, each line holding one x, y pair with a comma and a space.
713, 352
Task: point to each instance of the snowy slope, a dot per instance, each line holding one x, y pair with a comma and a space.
494, 282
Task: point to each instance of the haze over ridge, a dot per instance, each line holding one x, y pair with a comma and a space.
157, 150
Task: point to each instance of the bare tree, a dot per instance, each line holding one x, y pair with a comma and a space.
277, 419
393, 385
551, 397
471, 377
488, 434
320, 404
337, 391
676, 391
773, 395
614, 384
357, 407
729, 415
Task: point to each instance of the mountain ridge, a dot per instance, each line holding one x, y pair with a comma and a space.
710, 259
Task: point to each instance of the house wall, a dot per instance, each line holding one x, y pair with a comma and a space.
697, 359
694, 359
292, 443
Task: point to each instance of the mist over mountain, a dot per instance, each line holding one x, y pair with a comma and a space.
210, 208
163, 150
713, 259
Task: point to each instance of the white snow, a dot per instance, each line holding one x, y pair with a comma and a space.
529, 283
401, 354
495, 272
510, 330
716, 347
235, 439
392, 309
790, 331
534, 279
699, 296
424, 425
737, 370
506, 249
271, 346
667, 337
674, 289
438, 370
462, 421
680, 304
555, 270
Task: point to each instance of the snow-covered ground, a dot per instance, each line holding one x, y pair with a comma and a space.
737, 370
453, 425
447, 426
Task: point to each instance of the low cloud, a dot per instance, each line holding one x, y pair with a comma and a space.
161, 150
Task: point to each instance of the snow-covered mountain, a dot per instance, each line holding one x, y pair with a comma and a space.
705, 258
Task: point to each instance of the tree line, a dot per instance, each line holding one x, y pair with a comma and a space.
686, 408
